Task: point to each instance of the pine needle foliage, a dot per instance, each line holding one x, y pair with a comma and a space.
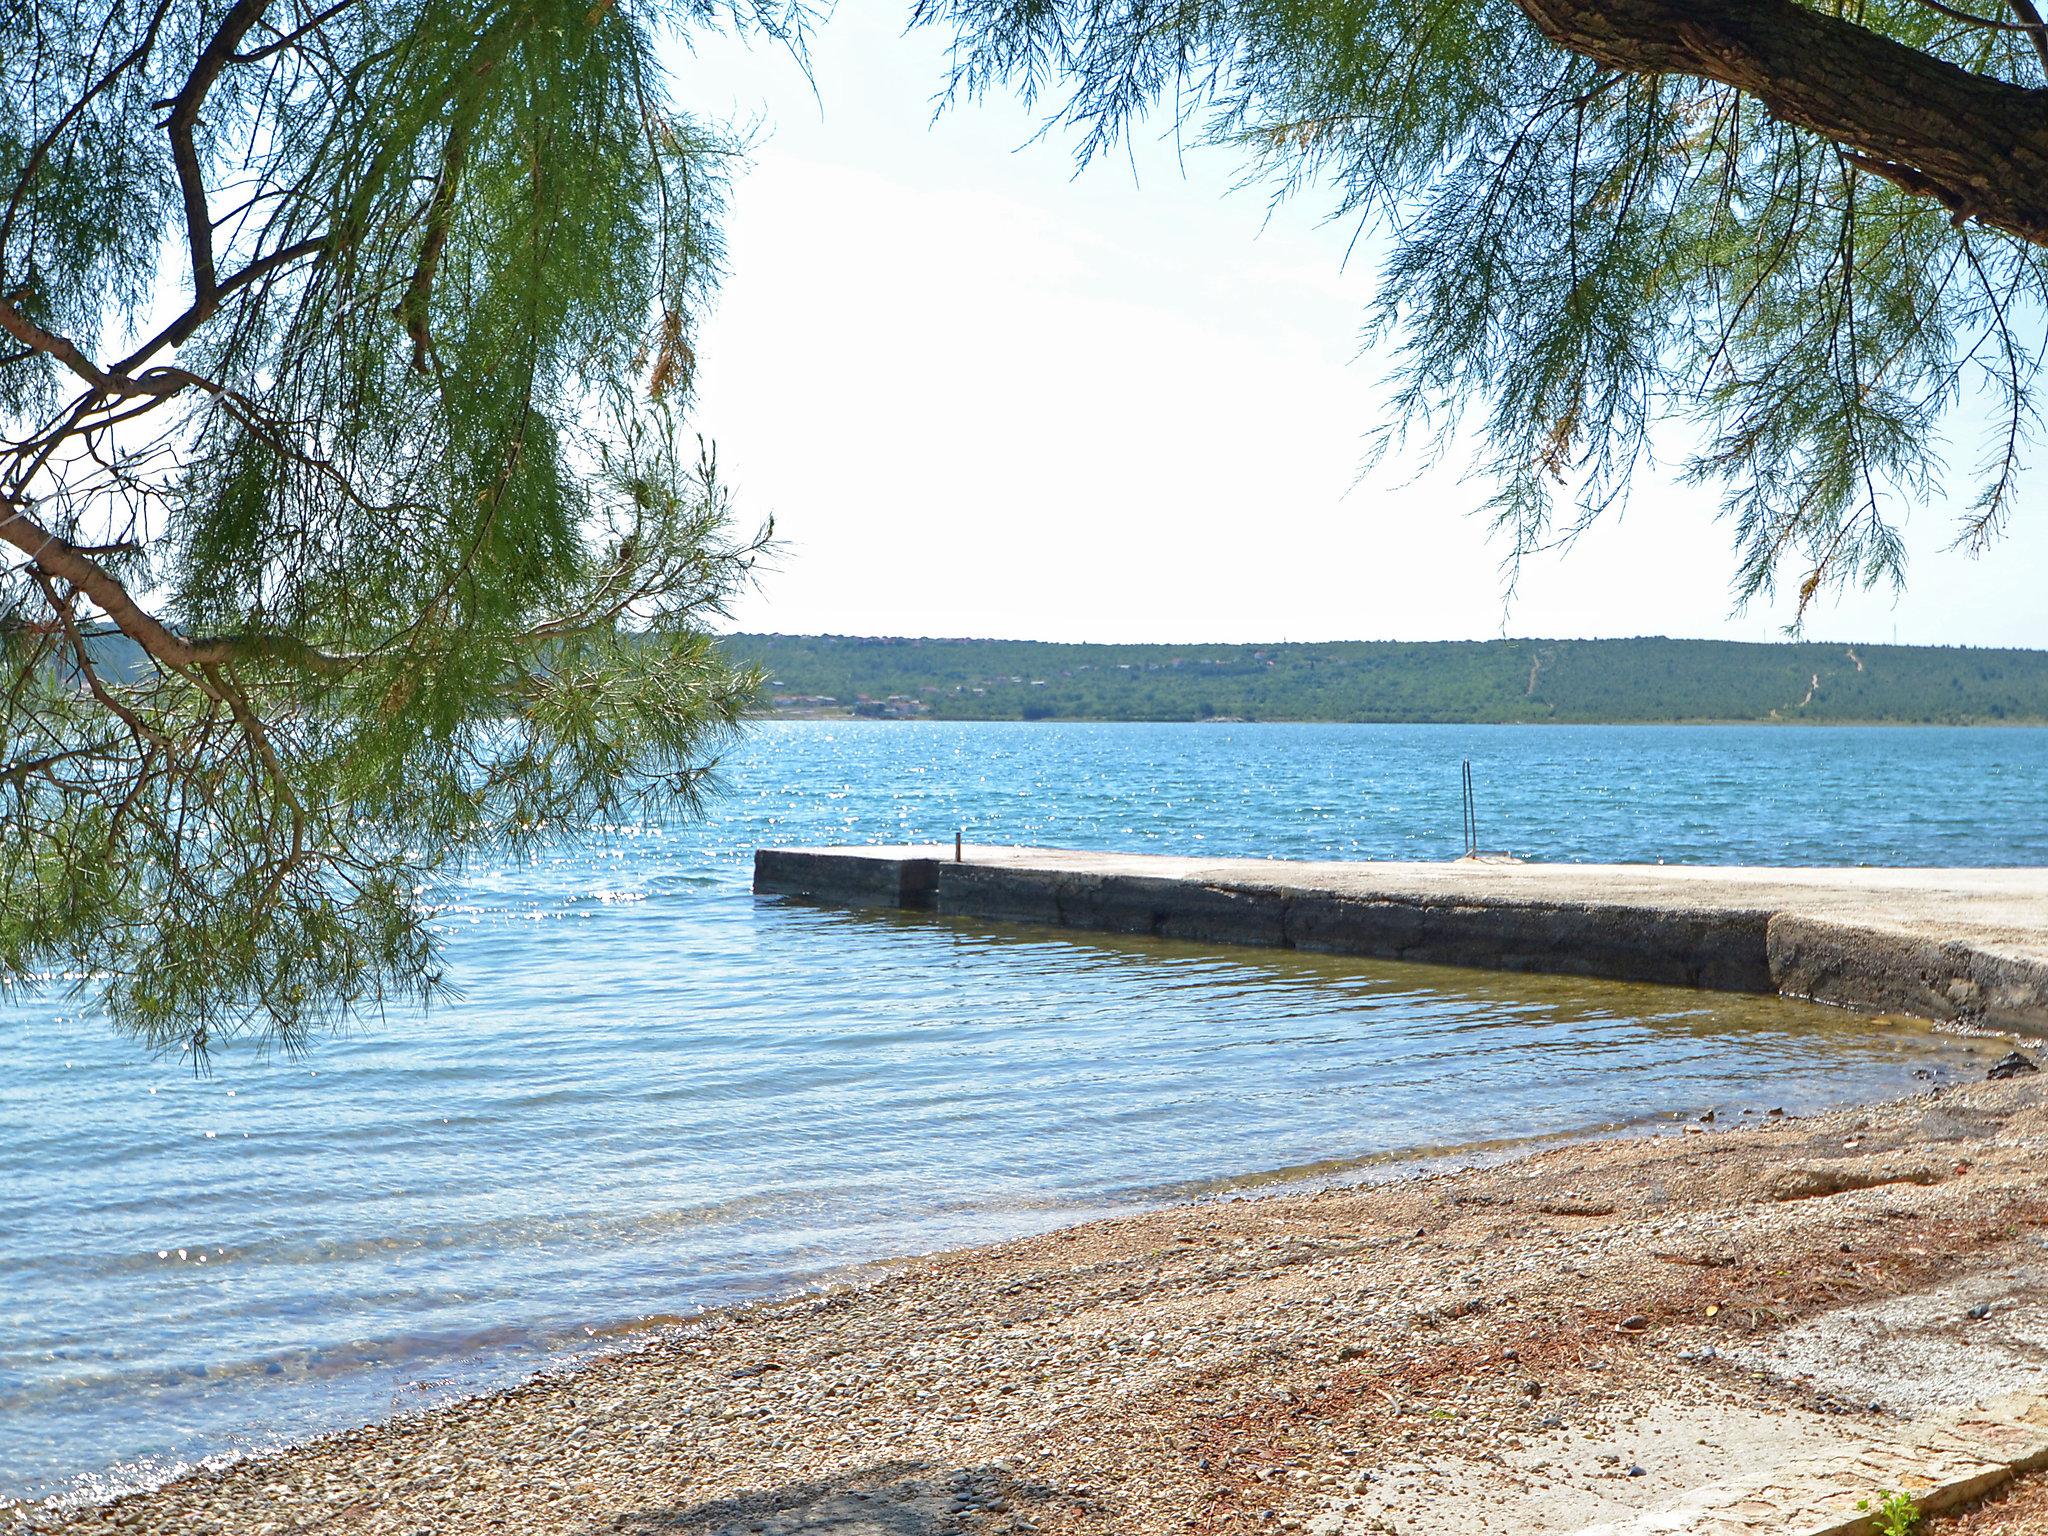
350, 522
1761, 230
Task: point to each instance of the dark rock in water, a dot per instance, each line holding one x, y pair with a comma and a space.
2014, 1065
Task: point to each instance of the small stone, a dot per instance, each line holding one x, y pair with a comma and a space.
2010, 1065
1634, 1323
1979, 1313
1636, 1471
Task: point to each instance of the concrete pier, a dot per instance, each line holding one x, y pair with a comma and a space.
1966, 945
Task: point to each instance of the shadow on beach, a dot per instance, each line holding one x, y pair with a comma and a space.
895, 1498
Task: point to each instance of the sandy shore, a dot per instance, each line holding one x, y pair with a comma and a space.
1561, 1343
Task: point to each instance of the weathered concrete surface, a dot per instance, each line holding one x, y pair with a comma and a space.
1949, 944
1712, 1466
1941, 1394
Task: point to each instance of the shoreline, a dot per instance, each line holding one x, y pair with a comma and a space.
625, 1337
1085, 1365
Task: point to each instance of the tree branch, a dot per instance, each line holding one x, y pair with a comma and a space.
56, 556
291, 38
2037, 30
66, 351
32, 163
413, 307
21, 771
1976, 145
181, 329
218, 53
469, 95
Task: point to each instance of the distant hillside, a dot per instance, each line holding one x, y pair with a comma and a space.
1462, 681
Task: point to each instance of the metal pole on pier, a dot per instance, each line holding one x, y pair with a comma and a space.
1471, 814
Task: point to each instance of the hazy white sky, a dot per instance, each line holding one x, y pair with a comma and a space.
983, 396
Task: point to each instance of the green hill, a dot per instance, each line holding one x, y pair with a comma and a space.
1649, 679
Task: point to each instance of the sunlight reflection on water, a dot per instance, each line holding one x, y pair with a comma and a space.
656, 1092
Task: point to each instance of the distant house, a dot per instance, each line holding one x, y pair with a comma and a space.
897, 706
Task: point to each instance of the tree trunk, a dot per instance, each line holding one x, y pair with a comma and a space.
1977, 145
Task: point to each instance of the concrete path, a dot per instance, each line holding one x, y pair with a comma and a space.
1926, 1401
1967, 945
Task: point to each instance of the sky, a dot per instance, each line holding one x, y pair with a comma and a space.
983, 395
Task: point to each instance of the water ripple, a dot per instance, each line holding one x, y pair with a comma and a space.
657, 1093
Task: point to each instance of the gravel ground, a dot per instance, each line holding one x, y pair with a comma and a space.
2018, 1509
1228, 1366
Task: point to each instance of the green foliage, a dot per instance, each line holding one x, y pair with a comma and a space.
384, 542
1450, 681
1892, 1513
1577, 255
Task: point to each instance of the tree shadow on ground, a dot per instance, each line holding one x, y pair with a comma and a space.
895, 1498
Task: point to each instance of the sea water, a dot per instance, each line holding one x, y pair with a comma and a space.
658, 1093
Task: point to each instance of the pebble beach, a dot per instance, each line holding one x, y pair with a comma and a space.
1337, 1360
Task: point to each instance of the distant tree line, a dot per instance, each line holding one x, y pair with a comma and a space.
1635, 680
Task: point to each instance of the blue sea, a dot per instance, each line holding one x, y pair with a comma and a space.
658, 1093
